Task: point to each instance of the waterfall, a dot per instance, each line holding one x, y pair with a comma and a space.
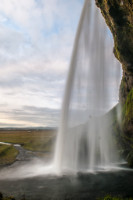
85, 139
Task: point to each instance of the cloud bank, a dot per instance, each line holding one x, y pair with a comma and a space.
36, 38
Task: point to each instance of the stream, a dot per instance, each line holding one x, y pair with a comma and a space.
23, 155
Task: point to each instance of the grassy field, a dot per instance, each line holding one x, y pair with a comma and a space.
40, 141
7, 154
34, 140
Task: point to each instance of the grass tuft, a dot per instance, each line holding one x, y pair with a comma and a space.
109, 197
7, 154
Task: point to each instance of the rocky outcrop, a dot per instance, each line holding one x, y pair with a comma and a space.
119, 17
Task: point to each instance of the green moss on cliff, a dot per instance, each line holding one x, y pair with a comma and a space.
128, 110
127, 124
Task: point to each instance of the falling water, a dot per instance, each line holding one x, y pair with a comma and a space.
85, 139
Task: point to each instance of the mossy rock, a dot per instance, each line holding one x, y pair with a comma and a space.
6, 198
127, 128
127, 115
2, 197
109, 197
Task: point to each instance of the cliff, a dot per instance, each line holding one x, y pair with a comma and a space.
118, 15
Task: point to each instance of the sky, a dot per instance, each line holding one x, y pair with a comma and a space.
36, 43
36, 40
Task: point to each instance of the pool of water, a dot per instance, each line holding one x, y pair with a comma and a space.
81, 186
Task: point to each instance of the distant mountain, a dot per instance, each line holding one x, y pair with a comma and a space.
29, 128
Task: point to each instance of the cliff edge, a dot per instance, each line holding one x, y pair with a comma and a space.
118, 15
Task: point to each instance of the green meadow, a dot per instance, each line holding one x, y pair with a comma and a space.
39, 141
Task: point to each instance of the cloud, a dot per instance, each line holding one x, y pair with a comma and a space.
40, 21
36, 39
29, 116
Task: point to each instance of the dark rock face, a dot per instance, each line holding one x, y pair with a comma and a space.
119, 17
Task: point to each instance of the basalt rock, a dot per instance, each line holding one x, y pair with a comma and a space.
119, 17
